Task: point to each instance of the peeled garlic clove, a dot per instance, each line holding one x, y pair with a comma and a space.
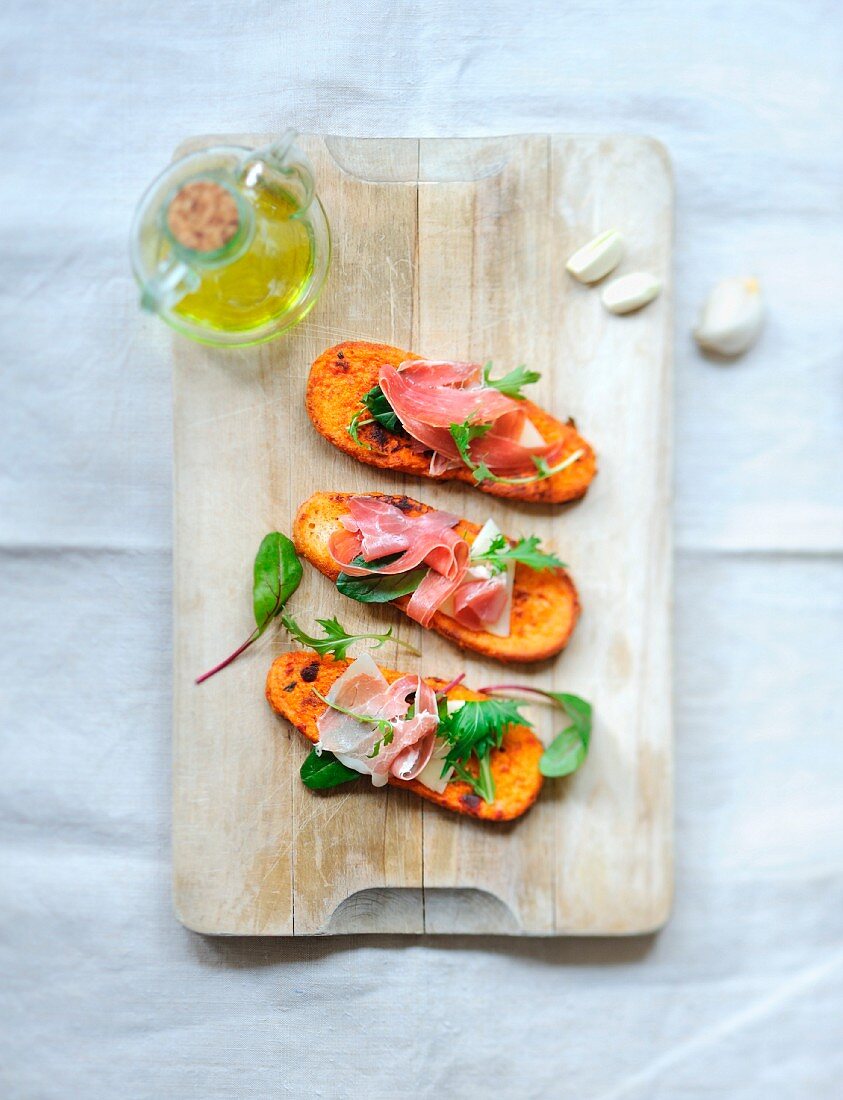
597, 258
731, 317
630, 292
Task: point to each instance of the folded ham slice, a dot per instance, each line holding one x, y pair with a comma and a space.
479, 602
362, 688
374, 529
429, 396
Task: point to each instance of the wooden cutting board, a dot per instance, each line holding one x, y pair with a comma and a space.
456, 249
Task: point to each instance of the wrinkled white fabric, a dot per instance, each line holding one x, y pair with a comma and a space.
102, 993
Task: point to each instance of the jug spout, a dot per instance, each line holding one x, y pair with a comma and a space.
283, 163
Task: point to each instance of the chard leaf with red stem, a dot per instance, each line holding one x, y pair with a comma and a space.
277, 574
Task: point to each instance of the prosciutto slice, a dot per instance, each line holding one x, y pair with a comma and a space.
479, 602
429, 396
374, 529
362, 688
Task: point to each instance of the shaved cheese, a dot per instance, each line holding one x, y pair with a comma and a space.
362, 666
479, 572
357, 765
530, 435
431, 774
488, 533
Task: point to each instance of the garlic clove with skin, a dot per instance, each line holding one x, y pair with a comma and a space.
731, 317
596, 259
630, 292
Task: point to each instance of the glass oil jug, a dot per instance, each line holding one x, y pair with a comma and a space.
230, 245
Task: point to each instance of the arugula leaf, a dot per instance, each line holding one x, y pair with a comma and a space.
569, 748
544, 470
380, 588
354, 426
382, 725
511, 383
277, 574
500, 553
481, 471
473, 731
463, 435
322, 771
387, 739
381, 410
336, 639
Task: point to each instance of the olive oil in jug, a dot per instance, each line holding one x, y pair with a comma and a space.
230, 245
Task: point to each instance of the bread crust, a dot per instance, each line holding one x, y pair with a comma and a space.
515, 766
545, 606
341, 376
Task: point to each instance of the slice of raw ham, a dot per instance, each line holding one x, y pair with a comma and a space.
414, 737
374, 529
362, 688
428, 397
479, 602
435, 589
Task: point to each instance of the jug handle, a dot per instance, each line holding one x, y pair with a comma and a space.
172, 281
283, 158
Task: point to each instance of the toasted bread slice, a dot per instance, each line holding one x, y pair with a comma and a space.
545, 606
515, 766
341, 376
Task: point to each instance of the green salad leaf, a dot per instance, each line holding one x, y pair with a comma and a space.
525, 552
354, 426
464, 435
380, 409
380, 412
277, 573
381, 588
511, 384
382, 725
567, 750
321, 771
337, 640
376, 563
473, 731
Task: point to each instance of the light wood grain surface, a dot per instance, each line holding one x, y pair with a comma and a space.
454, 248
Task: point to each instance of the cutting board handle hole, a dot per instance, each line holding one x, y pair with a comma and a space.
404, 909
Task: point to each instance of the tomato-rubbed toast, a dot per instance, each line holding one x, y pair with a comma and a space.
343, 375
514, 767
544, 608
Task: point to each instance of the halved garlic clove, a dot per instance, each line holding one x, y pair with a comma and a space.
630, 292
597, 258
731, 317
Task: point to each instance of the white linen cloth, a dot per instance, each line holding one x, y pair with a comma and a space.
103, 994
